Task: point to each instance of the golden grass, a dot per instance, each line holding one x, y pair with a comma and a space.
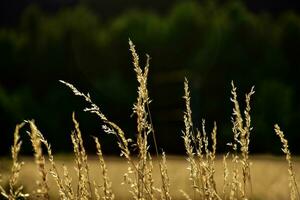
294, 193
268, 174
202, 176
15, 191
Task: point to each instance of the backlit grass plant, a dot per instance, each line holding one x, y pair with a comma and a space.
200, 149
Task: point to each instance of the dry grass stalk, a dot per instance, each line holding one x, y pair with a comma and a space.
144, 127
200, 158
123, 143
84, 189
188, 136
110, 127
294, 192
235, 184
241, 132
42, 191
165, 189
225, 177
67, 180
62, 188
139, 175
106, 188
15, 191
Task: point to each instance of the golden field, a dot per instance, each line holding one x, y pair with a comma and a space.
268, 173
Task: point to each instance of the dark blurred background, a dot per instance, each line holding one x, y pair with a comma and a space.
211, 42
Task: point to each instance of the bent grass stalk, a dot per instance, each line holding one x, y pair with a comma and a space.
42, 191
294, 192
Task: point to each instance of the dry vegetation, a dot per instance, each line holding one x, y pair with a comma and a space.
144, 176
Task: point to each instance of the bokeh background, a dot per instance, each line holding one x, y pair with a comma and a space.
211, 42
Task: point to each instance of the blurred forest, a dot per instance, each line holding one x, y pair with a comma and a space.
209, 42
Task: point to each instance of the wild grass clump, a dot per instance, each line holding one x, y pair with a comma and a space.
15, 191
200, 146
200, 157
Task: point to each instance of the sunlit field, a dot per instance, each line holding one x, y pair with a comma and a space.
269, 175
